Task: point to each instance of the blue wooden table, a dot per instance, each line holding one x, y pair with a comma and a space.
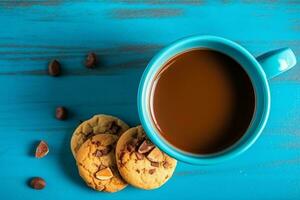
126, 34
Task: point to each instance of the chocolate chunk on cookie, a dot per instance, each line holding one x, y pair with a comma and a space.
99, 124
145, 147
140, 163
97, 164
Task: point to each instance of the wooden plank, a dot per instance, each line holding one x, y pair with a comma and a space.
126, 34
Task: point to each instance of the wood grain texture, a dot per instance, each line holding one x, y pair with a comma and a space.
126, 34
146, 13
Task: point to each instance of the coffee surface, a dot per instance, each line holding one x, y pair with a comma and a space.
202, 101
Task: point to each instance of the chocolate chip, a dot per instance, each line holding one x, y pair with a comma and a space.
98, 153
155, 164
145, 147
136, 141
54, 68
61, 113
106, 150
41, 150
155, 155
138, 171
166, 164
151, 171
37, 183
97, 143
91, 60
122, 153
139, 156
90, 134
135, 135
114, 128
130, 147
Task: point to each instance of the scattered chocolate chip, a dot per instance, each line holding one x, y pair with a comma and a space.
41, 150
139, 156
54, 68
155, 164
151, 171
145, 147
138, 171
61, 113
91, 60
37, 183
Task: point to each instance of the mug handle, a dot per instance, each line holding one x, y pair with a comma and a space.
277, 61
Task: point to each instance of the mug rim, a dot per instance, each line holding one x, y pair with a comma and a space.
180, 155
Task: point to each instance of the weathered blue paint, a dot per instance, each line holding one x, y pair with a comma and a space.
127, 34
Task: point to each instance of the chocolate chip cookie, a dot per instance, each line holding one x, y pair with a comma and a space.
97, 164
98, 124
140, 163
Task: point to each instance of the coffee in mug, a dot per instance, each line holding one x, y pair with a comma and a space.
202, 101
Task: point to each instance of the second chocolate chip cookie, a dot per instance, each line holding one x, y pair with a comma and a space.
140, 163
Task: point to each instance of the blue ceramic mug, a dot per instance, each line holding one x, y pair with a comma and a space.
259, 70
